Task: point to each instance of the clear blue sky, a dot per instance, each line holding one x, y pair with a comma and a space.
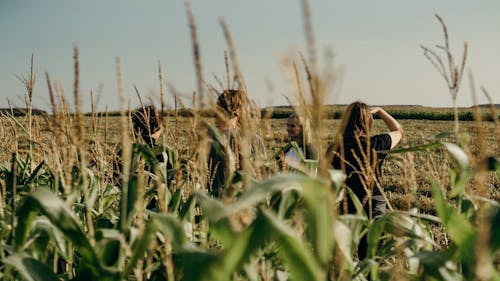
376, 45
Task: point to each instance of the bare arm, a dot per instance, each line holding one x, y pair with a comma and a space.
395, 129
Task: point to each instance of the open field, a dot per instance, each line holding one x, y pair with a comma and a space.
63, 175
407, 176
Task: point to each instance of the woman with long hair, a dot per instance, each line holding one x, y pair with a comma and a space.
360, 155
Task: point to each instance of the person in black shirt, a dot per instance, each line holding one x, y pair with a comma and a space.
360, 156
146, 123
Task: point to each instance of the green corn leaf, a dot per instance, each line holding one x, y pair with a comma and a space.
149, 155
24, 166
413, 148
130, 201
458, 155
33, 175
443, 135
175, 201
171, 227
319, 218
168, 225
398, 224
217, 215
299, 259
108, 246
338, 177
241, 250
43, 224
29, 268
342, 235
375, 231
315, 196
439, 265
195, 262
356, 224
280, 151
57, 212
355, 200
287, 200
458, 228
494, 215
187, 211
259, 191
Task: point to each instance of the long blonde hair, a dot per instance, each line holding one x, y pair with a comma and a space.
356, 122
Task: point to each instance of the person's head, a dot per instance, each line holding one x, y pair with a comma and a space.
228, 105
357, 121
294, 127
146, 123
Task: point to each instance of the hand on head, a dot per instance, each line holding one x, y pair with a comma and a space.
375, 110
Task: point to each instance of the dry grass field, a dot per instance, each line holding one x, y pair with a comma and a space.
407, 176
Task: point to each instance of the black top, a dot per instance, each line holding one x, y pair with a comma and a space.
357, 158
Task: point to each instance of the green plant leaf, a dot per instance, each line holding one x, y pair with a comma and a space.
241, 250
398, 224
29, 268
458, 227
57, 212
299, 259
33, 175
168, 225
175, 202
319, 219
342, 235
108, 245
259, 191
338, 177
458, 155
494, 216
439, 265
217, 215
194, 262
43, 224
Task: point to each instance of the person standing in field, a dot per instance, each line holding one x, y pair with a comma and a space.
298, 132
360, 156
147, 126
224, 158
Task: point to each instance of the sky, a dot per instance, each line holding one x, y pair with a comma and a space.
376, 47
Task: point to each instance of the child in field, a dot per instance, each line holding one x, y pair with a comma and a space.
298, 133
360, 156
224, 158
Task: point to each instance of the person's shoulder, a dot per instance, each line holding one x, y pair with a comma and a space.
381, 141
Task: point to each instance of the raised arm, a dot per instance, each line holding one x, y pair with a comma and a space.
395, 129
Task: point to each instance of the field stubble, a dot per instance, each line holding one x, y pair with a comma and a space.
406, 176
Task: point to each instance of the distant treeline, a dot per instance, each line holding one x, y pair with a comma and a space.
416, 112
17, 111
400, 112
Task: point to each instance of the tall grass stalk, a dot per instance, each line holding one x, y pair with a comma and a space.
452, 73
196, 56
125, 148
